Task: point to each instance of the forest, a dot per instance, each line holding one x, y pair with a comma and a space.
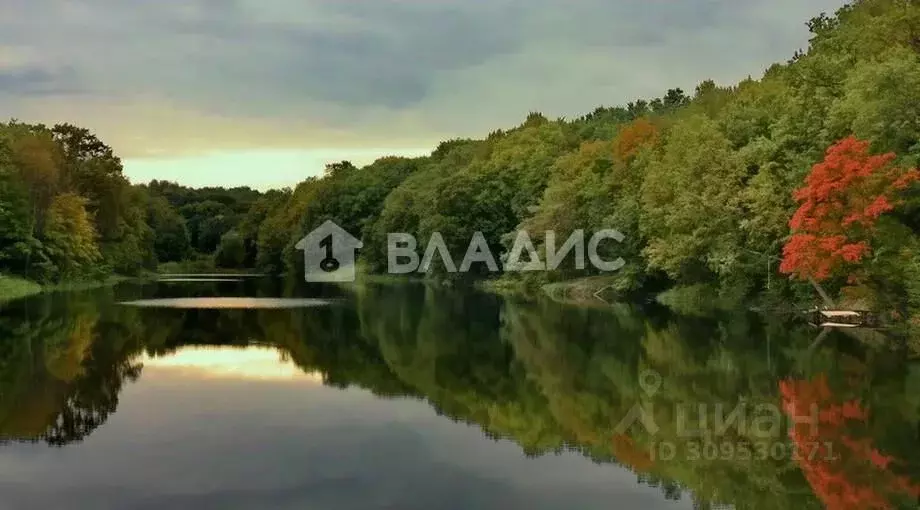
770, 188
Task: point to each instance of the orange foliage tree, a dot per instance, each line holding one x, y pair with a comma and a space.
633, 137
842, 200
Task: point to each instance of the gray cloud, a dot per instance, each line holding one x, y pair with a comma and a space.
30, 81
400, 70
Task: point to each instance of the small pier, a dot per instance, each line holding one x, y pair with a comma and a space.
844, 318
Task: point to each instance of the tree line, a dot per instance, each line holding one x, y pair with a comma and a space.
804, 176
765, 187
68, 212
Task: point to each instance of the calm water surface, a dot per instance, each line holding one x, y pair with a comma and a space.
253, 394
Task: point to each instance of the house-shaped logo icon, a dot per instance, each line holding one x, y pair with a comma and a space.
329, 254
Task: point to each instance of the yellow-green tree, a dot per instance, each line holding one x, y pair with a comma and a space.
70, 237
690, 201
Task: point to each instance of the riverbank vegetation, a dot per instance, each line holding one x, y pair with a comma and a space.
803, 179
770, 188
14, 288
68, 214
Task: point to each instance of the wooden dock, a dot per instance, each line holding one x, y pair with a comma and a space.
845, 318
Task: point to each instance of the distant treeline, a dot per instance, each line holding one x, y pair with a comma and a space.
67, 211
704, 186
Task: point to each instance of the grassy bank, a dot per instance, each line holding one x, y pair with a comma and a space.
16, 288
12, 287
78, 285
201, 264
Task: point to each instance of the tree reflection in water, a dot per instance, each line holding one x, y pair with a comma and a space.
547, 376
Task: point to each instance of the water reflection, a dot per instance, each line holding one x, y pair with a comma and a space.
235, 276
226, 303
198, 280
550, 378
245, 363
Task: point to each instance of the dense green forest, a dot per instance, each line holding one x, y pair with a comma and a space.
763, 188
68, 212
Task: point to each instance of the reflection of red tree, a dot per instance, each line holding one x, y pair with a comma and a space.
626, 451
845, 471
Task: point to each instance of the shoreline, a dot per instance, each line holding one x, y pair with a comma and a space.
13, 288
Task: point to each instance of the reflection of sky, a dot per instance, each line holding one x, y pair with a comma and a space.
183, 438
252, 363
227, 303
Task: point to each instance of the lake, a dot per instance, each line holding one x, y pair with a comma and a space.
254, 393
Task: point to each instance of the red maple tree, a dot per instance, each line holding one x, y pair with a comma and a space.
842, 200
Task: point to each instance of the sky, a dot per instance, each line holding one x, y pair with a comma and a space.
266, 92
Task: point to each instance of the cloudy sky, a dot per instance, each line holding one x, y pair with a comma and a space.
263, 92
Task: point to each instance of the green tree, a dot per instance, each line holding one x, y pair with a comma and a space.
35, 157
231, 253
171, 239
16, 241
881, 102
70, 237
690, 201
266, 206
133, 247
